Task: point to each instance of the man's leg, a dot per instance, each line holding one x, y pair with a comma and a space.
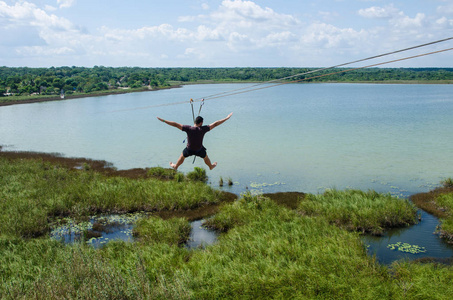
178, 163
207, 161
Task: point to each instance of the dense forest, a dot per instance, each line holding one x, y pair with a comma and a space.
81, 80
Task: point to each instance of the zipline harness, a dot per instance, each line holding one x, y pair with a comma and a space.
193, 117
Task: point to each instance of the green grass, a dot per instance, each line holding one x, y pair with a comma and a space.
174, 231
266, 251
198, 174
31, 192
445, 202
447, 183
369, 212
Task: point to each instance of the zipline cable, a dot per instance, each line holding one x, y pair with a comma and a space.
252, 88
332, 67
333, 73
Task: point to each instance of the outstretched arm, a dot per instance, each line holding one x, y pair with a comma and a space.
171, 123
217, 123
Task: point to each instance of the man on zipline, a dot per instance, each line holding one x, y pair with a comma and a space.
195, 136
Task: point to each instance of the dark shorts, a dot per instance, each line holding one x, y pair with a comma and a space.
189, 152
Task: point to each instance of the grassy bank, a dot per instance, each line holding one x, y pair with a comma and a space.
367, 212
266, 250
33, 192
440, 203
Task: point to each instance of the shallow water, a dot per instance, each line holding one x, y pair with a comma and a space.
200, 236
299, 137
105, 228
421, 234
119, 227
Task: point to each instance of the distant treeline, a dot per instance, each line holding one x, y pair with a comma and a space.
51, 81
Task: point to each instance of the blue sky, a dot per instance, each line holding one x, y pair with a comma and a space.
221, 33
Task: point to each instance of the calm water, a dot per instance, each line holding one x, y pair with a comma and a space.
299, 137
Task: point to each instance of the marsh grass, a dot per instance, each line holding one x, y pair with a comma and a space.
174, 231
198, 174
266, 250
440, 203
366, 212
32, 192
447, 183
445, 202
162, 173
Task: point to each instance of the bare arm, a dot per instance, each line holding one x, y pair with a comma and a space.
217, 123
171, 123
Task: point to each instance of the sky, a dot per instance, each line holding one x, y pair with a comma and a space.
221, 33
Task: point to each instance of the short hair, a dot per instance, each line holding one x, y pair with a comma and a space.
198, 120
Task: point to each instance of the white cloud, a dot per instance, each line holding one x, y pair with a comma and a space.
206, 34
50, 8
43, 51
235, 33
247, 13
66, 3
406, 22
377, 12
446, 9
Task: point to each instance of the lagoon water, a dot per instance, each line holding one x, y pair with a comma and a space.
297, 137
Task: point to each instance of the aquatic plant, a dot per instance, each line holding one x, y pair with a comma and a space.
221, 181
405, 247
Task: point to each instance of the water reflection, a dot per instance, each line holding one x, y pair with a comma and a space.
200, 236
99, 230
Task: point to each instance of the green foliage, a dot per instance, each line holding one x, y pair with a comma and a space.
268, 252
447, 183
198, 174
33, 191
360, 211
445, 202
49, 81
162, 173
272, 252
174, 231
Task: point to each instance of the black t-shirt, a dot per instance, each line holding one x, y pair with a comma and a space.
195, 136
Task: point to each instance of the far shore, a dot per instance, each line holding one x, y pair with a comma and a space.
39, 98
